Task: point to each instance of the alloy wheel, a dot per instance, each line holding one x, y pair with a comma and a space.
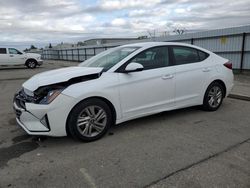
32, 64
92, 121
215, 96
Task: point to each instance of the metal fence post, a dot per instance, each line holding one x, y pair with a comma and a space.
242, 51
78, 55
66, 54
85, 54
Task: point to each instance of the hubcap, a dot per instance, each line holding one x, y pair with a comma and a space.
215, 96
91, 121
32, 64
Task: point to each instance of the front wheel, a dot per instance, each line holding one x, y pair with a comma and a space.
89, 120
31, 64
213, 97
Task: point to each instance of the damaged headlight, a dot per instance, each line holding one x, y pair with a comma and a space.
51, 95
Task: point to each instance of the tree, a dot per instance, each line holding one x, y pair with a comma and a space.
143, 37
32, 47
80, 43
151, 33
50, 46
179, 30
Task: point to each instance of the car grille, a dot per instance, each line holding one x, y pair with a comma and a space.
18, 113
21, 98
20, 102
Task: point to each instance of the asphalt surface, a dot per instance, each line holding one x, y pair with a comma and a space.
182, 148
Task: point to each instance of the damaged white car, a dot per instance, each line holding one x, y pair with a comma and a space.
121, 84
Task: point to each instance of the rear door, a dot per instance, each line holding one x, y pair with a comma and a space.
150, 90
16, 57
4, 57
192, 71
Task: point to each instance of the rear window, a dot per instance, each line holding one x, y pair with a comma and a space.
3, 51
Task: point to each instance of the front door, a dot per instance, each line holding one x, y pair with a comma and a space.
16, 57
151, 90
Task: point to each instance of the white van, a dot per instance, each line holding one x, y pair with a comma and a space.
12, 56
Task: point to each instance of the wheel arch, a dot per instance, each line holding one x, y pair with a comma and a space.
29, 59
222, 84
111, 106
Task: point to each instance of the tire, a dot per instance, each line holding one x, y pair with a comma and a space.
89, 120
31, 63
213, 97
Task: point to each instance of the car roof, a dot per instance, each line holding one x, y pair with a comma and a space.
153, 44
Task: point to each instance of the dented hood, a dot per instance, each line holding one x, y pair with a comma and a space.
58, 75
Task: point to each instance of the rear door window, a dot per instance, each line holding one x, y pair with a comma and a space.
3, 51
185, 55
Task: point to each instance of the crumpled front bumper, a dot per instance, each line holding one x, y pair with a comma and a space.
40, 119
31, 124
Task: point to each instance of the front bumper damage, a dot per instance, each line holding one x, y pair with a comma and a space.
40, 119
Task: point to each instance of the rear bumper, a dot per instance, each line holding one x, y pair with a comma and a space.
229, 88
229, 81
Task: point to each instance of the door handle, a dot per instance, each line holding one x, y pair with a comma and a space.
168, 76
11, 55
206, 70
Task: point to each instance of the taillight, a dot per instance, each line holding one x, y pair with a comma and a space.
228, 65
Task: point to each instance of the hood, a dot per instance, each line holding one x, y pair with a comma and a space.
32, 55
58, 75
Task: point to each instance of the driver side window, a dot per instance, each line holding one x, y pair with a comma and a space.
153, 58
14, 51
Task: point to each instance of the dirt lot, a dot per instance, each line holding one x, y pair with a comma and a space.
182, 148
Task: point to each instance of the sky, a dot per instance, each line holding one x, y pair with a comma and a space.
40, 22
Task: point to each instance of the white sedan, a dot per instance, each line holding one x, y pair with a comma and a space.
121, 84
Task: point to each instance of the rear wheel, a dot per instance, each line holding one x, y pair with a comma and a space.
213, 97
31, 64
89, 120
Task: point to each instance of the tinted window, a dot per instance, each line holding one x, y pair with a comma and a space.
2, 50
153, 58
202, 55
184, 55
14, 51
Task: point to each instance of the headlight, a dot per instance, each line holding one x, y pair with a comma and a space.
51, 96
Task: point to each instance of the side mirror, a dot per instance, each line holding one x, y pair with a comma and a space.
133, 67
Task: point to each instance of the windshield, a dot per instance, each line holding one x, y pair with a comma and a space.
108, 58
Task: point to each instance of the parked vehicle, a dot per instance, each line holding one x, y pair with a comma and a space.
12, 56
121, 84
